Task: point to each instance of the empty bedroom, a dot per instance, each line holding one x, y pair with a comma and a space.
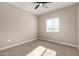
39, 29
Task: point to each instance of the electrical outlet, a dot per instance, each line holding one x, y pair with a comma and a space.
8, 40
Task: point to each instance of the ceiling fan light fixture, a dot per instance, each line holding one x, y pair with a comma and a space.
41, 4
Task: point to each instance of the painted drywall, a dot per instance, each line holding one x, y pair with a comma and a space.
68, 25
16, 25
78, 27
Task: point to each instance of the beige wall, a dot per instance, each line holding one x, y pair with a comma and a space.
16, 25
78, 26
68, 25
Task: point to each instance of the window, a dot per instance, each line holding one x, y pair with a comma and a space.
52, 25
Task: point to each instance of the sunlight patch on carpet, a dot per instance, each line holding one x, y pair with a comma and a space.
42, 51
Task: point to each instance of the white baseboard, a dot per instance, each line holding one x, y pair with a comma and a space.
67, 44
3, 48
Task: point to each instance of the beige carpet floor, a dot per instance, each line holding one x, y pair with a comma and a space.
40, 48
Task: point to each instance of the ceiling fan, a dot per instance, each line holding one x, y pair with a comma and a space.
40, 4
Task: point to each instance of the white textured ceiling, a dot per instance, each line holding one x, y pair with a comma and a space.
29, 6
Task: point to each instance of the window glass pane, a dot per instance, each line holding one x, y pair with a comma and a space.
52, 25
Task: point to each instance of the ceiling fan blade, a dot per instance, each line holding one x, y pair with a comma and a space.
36, 6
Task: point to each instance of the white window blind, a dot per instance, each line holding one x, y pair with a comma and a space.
52, 25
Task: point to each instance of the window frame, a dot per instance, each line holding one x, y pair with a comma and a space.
57, 25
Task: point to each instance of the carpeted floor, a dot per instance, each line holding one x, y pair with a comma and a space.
28, 48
